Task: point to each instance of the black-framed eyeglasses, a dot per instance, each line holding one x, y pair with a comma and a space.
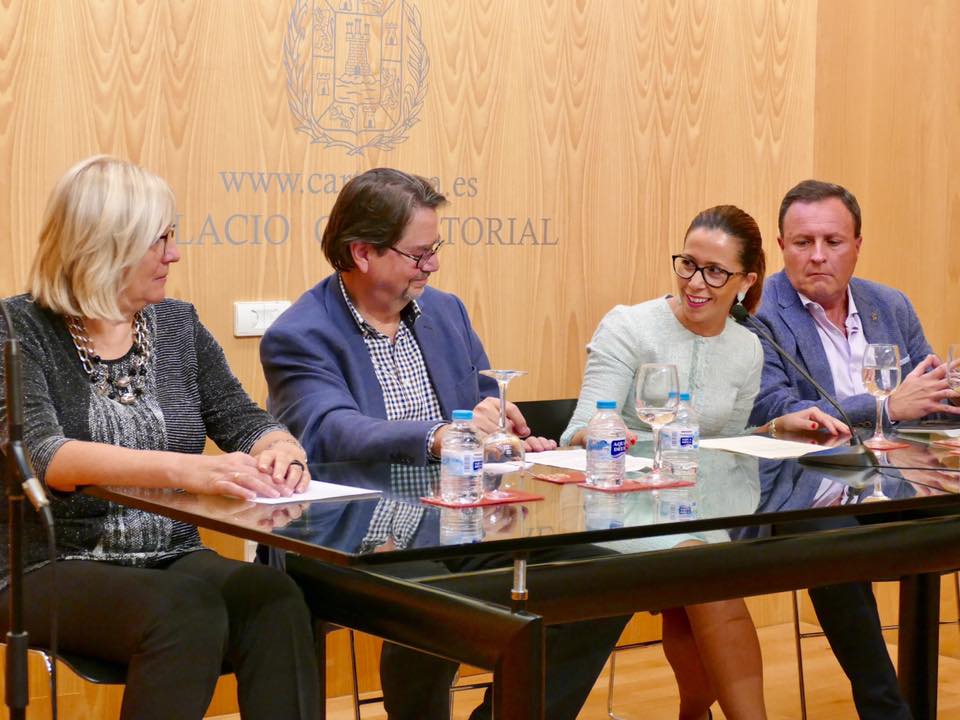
421, 259
714, 276
161, 242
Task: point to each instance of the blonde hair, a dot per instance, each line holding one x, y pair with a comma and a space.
100, 221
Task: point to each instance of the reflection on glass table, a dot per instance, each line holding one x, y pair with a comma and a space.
732, 491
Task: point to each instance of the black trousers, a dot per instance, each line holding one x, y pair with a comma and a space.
175, 628
849, 618
416, 685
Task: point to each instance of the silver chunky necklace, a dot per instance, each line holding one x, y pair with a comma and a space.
125, 389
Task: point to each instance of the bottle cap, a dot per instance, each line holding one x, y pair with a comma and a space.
672, 394
606, 404
684, 397
462, 415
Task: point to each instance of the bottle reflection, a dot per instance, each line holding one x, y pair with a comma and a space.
461, 526
603, 511
675, 505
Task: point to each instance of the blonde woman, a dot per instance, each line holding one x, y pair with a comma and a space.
122, 387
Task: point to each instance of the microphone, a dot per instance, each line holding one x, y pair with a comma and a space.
855, 455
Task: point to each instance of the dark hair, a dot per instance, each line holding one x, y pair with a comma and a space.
734, 222
374, 207
811, 191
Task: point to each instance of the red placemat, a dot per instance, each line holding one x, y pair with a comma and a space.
635, 485
512, 496
561, 477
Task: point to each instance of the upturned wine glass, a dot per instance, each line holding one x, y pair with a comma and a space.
658, 397
881, 376
502, 447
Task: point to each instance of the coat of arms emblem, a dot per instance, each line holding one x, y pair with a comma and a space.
356, 71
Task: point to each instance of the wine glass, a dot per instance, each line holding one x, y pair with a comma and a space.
501, 446
658, 397
953, 366
881, 376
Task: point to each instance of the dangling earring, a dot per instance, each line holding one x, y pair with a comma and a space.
740, 296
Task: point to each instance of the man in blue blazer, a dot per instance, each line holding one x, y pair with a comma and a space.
370, 364
825, 318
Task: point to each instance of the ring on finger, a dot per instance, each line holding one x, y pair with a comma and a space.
298, 463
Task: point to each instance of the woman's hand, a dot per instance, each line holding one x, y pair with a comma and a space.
279, 455
286, 463
236, 474
811, 418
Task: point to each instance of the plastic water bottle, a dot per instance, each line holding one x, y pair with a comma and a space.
606, 446
680, 442
461, 462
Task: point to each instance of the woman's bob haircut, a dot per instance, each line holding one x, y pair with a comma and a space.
100, 220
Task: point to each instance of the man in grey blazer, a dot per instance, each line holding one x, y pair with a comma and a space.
825, 318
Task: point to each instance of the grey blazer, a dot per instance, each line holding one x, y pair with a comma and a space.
887, 317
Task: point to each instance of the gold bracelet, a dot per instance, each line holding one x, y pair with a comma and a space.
773, 428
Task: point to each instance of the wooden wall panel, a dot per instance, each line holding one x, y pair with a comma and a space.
887, 113
616, 121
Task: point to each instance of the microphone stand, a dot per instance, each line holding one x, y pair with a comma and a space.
855, 456
20, 480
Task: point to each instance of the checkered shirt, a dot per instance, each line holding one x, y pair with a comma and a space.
408, 393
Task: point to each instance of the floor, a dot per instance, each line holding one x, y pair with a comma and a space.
645, 687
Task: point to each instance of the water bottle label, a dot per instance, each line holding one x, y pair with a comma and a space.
462, 463
688, 441
613, 448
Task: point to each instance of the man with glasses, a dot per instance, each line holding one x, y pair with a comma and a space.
369, 365
825, 317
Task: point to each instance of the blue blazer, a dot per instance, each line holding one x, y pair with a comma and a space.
887, 317
322, 383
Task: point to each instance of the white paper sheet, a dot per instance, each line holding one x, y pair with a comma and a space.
321, 491
938, 431
576, 459
761, 446
506, 467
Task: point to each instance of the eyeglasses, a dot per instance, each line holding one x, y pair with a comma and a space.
715, 277
421, 259
161, 242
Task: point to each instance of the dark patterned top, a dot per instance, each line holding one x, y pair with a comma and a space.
190, 394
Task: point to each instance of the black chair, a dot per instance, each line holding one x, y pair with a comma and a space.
93, 670
548, 418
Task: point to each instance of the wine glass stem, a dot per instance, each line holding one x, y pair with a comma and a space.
878, 430
656, 448
503, 404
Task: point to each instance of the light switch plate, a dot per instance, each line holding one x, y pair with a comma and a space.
253, 317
